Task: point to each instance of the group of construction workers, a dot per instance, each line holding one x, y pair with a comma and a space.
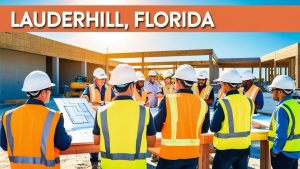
33, 134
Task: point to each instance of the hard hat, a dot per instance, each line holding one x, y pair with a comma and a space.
247, 75
36, 81
283, 82
229, 76
123, 74
186, 72
152, 73
202, 75
140, 75
167, 74
99, 73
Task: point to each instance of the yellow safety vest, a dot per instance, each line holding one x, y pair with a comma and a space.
123, 126
137, 97
204, 92
292, 108
221, 94
95, 96
236, 127
252, 92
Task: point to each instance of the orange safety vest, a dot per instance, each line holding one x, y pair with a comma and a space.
30, 133
204, 92
167, 90
95, 96
138, 97
221, 94
252, 92
182, 128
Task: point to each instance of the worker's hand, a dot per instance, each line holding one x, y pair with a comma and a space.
258, 125
150, 94
86, 97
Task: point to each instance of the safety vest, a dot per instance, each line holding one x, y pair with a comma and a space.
123, 126
30, 133
292, 144
221, 94
236, 127
182, 128
95, 96
204, 92
137, 97
252, 92
167, 90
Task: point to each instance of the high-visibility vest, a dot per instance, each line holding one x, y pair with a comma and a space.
167, 90
292, 108
252, 92
137, 97
95, 96
123, 126
221, 94
236, 127
30, 133
204, 92
182, 128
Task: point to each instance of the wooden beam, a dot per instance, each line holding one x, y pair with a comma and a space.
195, 63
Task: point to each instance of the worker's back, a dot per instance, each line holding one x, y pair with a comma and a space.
30, 133
182, 128
123, 135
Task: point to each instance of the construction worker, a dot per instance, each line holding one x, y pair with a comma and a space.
125, 128
251, 90
152, 87
167, 88
284, 131
140, 94
180, 117
98, 93
33, 134
221, 94
203, 89
231, 124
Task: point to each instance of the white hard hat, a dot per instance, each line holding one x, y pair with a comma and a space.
167, 74
247, 75
99, 73
186, 72
283, 82
140, 75
152, 73
202, 75
36, 81
122, 74
229, 76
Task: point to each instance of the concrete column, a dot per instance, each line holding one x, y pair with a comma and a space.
210, 69
143, 64
55, 75
84, 68
260, 81
266, 74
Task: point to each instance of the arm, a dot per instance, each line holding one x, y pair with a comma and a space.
282, 121
259, 100
205, 125
3, 141
96, 131
211, 98
86, 94
151, 133
160, 117
62, 140
217, 119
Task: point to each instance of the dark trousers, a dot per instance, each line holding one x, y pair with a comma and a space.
94, 157
225, 162
177, 164
282, 161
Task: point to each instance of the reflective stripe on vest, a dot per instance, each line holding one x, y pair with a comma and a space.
44, 141
174, 119
95, 94
205, 92
231, 133
252, 92
123, 156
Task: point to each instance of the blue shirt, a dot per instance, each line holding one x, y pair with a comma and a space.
62, 140
282, 123
102, 92
160, 117
153, 88
259, 100
216, 125
150, 127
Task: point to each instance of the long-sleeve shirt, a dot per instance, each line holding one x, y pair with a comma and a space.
160, 117
62, 140
153, 88
282, 123
102, 92
216, 125
211, 94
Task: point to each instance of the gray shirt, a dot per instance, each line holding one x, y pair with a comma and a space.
153, 88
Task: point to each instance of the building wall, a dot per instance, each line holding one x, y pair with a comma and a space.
14, 67
90, 69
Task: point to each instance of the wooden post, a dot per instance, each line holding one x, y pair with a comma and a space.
106, 64
264, 155
210, 66
285, 70
204, 156
275, 70
266, 73
260, 81
252, 69
143, 63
